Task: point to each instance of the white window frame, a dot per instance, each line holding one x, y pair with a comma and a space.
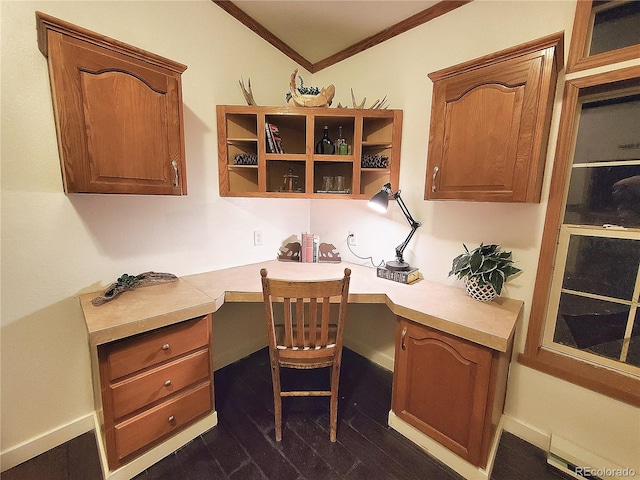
566, 232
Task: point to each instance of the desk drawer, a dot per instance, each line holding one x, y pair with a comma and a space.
152, 385
148, 349
162, 420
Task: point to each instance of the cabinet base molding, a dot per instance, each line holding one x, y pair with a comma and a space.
144, 461
446, 456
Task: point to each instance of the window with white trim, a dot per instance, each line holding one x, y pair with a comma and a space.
593, 311
584, 325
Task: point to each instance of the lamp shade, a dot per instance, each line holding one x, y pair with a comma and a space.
380, 201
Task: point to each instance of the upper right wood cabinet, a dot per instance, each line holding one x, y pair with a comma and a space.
490, 121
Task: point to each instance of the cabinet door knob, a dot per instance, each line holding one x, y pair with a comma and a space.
167, 383
165, 346
433, 179
404, 334
174, 164
171, 419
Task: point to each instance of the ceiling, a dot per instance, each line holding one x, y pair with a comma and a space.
318, 33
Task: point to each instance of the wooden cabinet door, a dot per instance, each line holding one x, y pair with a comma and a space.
118, 118
441, 387
489, 126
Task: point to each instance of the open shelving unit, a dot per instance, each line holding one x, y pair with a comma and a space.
248, 167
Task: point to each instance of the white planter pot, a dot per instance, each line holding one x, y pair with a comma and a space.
482, 293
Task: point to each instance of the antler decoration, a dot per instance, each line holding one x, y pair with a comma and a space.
377, 105
248, 94
353, 99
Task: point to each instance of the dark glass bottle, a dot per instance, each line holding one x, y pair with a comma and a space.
325, 146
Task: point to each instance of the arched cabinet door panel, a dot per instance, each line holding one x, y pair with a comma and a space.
448, 388
118, 112
490, 121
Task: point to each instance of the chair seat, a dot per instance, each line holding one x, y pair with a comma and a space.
306, 357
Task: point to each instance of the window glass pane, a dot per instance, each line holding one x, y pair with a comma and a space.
602, 266
609, 130
591, 325
601, 191
616, 27
605, 194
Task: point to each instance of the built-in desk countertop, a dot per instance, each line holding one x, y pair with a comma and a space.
443, 307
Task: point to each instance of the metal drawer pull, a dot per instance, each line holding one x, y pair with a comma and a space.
167, 383
165, 346
174, 164
404, 334
433, 179
172, 419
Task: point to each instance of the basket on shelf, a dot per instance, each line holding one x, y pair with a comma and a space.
374, 161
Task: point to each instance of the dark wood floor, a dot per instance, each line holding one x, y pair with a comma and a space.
242, 445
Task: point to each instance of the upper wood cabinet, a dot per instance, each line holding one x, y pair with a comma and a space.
249, 167
490, 121
118, 113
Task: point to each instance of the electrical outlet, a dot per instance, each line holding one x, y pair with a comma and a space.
257, 238
352, 239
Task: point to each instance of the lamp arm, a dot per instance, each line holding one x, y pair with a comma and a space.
400, 248
414, 226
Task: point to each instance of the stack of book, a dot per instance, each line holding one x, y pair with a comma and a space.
309, 248
274, 142
406, 276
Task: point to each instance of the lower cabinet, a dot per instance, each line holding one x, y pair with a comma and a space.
153, 385
448, 388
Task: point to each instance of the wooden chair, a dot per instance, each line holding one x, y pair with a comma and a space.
307, 339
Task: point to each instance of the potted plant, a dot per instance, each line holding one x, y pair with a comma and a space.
484, 270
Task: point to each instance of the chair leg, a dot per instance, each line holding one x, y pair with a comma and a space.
277, 399
333, 421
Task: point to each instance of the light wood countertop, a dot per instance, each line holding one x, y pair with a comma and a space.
443, 307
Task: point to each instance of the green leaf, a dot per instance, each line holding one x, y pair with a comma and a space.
475, 261
497, 283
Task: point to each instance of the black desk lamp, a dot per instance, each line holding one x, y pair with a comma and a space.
380, 202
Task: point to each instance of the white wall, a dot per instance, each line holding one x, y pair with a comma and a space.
55, 247
537, 404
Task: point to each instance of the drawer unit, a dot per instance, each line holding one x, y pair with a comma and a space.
148, 349
153, 385
155, 423
148, 387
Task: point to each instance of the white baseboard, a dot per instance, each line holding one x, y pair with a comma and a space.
144, 461
581, 463
33, 447
527, 432
446, 456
